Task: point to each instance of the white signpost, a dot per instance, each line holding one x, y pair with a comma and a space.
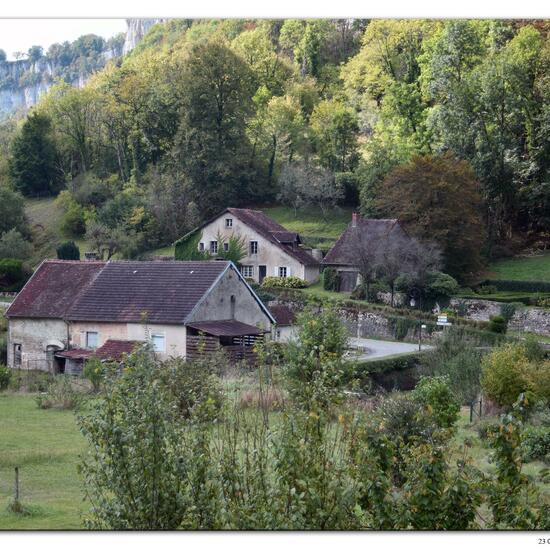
443, 321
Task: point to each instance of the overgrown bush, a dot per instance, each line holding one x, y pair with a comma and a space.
498, 324
5, 377
486, 289
436, 396
507, 372
535, 443
194, 386
12, 275
94, 371
60, 394
283, 282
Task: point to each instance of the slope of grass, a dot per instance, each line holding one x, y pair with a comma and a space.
534, 268
315, 230
45, 445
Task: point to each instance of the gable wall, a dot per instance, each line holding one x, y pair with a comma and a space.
269, 254
217, 304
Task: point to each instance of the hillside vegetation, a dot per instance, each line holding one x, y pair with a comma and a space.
319, 116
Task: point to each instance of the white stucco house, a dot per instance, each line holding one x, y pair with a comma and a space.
271, 249
71, 310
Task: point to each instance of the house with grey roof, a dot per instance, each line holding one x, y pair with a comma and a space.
71, 310
361, 233
271, 250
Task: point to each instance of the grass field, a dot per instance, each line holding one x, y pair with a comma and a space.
45, 220
535, 268
45, 445
310, 224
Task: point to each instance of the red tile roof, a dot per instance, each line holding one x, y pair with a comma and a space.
274, 232
344, 252
283, 315
115, 349
228, 327
110, 350
158, 292
54, 288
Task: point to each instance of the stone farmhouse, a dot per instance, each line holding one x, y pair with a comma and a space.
71, 310
271, 249
343, 256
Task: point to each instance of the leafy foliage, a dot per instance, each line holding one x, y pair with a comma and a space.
283, 282
68, 251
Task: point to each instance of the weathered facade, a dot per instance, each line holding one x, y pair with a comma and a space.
71, 310
272, 251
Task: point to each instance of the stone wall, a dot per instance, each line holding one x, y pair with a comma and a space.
366, 324
525, 319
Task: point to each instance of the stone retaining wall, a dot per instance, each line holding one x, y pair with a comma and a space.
525, 319
365, 324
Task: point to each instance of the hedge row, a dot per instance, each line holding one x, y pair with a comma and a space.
378, 366
518, 286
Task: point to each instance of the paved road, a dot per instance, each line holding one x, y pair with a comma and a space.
376, 349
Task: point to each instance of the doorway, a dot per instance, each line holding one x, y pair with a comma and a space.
262, 272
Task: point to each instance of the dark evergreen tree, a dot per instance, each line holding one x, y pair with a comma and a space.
68, 251
33, 168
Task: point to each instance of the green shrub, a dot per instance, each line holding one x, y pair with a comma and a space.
68, 251
283, 282
518, 286
362, 371
194, 386
94, 371
5, 377
12, 275
507, 311
187, 248
485, 428
331, 279
60, 394
505, 374
436, 396
498, 324
535, 443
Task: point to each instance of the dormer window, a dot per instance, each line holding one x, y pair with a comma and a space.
228, 222
253, 247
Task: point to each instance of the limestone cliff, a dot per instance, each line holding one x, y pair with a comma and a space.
136, 30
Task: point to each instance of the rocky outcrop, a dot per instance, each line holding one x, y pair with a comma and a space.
136, 30
24, 82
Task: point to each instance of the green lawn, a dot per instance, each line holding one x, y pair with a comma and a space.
310, 224
535, 268
45, 445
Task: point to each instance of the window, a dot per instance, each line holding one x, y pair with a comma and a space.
228, 222
214, 247
92, 339
253, 247
278, 334
201, 247
282, 272
159, 344
226, 247
247, 271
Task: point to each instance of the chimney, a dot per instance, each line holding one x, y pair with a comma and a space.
354, 219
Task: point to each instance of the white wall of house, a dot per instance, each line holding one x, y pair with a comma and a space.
174, 335
268, 253
217, 304
284, 334
35, 336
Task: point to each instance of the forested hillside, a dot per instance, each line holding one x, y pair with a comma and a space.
444, 124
